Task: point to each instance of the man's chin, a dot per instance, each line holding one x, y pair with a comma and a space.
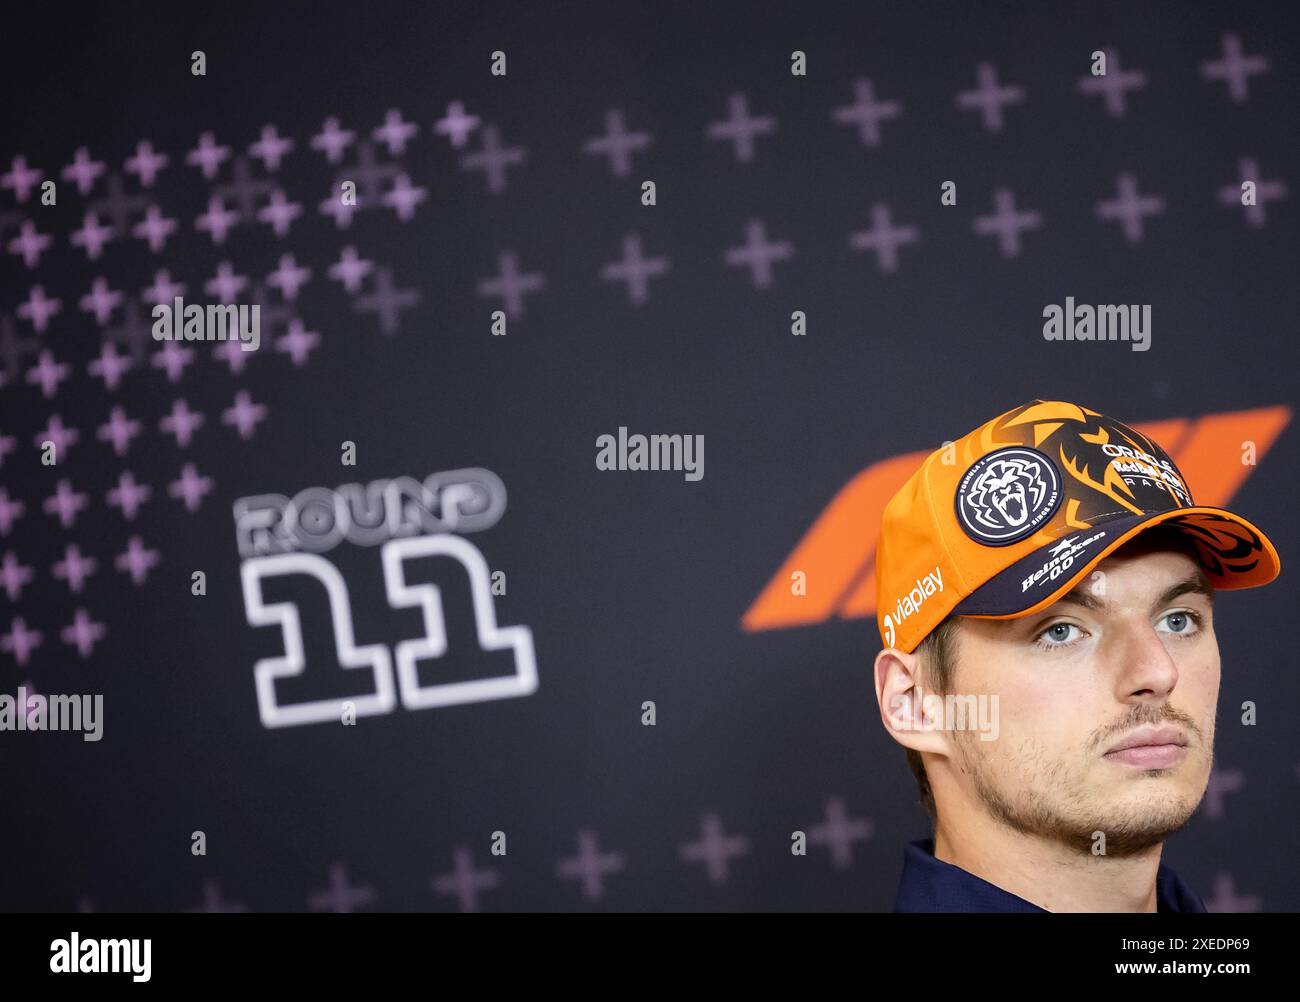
1134, 824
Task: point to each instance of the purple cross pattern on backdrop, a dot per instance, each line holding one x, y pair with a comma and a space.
156, 458
77, 301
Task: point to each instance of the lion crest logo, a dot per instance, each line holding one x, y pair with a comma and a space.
1006, 495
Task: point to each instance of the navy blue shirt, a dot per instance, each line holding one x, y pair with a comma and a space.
931, 885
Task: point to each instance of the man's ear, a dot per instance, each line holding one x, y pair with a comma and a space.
906, 707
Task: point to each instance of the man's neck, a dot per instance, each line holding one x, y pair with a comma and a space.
1048, 874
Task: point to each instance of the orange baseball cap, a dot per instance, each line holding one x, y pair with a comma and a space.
1025, 506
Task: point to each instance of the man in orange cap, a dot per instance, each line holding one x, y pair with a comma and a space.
1046, 589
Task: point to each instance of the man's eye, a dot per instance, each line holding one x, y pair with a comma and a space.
1057, 635
1184, 622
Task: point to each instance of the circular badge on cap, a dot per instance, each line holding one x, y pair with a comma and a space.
1007, 495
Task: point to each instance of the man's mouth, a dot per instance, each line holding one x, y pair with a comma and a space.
1150, 748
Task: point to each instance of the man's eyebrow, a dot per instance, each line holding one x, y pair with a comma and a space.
1194, 584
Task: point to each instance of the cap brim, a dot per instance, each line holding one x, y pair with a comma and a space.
1234, 553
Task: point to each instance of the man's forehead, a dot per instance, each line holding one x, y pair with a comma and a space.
1125, 580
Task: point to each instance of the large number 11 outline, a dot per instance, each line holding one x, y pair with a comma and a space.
433, 644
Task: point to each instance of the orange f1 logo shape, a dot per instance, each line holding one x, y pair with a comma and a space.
836, 554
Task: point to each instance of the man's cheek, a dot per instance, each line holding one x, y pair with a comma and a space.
1199, 685
1050, 721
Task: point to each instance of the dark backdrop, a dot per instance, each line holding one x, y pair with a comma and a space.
633, 584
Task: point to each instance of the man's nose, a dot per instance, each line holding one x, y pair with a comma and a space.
1147, 671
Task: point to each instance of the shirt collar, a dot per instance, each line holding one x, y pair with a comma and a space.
929, 884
